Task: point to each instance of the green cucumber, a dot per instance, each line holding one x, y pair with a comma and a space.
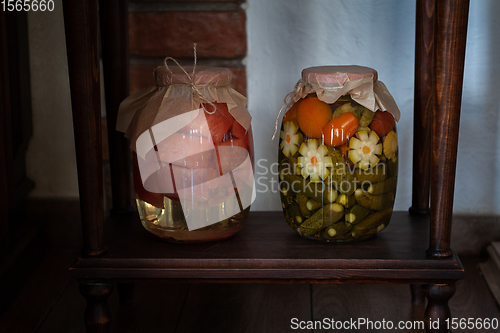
373, 175
344, 108
326, 215
317, 191
374, 202
346, 200
357, 214
313, 204
295, 214
342, 179
302, 201
385, 186
337, 229
373, 221
366, 118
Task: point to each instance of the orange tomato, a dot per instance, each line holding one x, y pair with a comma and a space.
312, 116
340, 129
291, 114
382, 123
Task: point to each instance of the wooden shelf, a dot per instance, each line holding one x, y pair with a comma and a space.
268, 250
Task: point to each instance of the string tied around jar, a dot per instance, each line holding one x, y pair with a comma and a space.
195, 88
290, 98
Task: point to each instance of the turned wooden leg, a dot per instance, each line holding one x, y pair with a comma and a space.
97, 314
417, 294
437, 310
125, 292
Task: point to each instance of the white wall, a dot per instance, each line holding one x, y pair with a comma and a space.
285, 36
50, 159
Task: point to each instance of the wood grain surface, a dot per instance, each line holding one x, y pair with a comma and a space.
450, 40
80, 19
423, 105
267, 248
159, 306
115, 58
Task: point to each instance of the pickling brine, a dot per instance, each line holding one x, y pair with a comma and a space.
192, 154
338, 165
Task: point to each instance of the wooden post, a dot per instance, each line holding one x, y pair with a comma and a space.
437, 310
422, 124
114, 41
450, 38
97, 314
80, 19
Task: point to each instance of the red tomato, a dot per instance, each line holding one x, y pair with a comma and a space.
218, 122
382, 123
340, 128
238, 131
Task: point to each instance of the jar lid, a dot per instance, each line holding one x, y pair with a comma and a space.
337, 74
214, 76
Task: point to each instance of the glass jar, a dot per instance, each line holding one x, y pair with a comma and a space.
193, 170
338, 154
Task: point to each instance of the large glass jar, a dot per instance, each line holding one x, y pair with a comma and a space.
193, 171
338, 154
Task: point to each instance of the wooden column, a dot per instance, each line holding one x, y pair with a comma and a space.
97, 314
422, 124
450, 38
114, 41
80, 18
6, 154
437, 310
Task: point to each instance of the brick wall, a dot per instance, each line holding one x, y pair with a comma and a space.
158, 29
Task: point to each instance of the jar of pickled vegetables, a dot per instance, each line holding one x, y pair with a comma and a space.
192, 154
338, 154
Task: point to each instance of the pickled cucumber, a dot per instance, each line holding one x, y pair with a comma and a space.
337, 229
313, 224
284, 201
366, 118
372, 221
357, 214
392, 167
375, 202
342, 179
313, 204
294, 166
364, 128
302, 201
386, 186
326, 215
336, 156
347, 107
295, 213
373, 175
317, 191
346, 200
333, 212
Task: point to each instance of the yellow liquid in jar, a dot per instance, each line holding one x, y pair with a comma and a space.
169, 223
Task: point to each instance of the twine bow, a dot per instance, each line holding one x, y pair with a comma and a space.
194, 87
